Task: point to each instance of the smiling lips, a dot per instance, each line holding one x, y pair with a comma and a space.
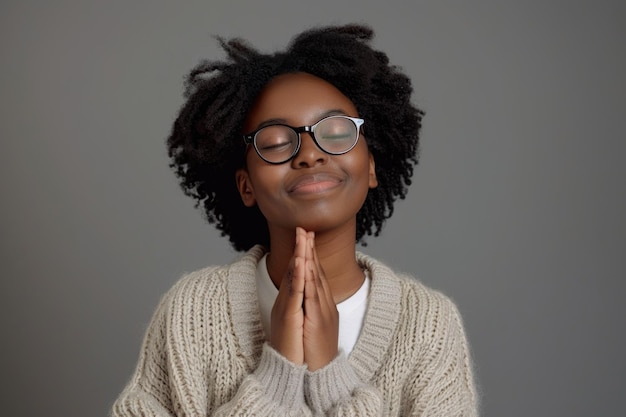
314, 183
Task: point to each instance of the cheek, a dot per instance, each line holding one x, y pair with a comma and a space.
267, 180
360, 161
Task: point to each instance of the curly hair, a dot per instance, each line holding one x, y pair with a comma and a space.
206, 146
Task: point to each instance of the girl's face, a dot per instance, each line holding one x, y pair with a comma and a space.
314, 190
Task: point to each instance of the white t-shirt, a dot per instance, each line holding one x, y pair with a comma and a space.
351, 310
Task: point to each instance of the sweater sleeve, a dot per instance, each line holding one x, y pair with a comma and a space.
169, 382
443, 386
336, 390
275, 388
148, 392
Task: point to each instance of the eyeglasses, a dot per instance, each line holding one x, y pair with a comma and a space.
278, 143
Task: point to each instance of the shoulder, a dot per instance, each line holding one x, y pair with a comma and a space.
430, 303
409, 286
214, 280
428, 342
424, 310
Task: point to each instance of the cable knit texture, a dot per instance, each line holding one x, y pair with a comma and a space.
205, 354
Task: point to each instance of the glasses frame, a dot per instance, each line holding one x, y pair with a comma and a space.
250, 138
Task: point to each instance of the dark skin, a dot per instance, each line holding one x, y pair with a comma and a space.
310, 204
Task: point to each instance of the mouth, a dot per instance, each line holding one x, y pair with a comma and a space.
314, 183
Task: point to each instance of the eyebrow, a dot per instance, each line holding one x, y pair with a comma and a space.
279, 121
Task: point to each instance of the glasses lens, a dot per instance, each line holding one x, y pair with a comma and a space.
336, 135
276, 143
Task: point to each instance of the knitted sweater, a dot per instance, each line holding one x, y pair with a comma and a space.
205, 354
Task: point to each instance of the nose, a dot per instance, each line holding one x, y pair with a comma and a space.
309, 153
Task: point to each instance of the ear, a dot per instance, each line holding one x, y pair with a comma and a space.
373, 181
244, 186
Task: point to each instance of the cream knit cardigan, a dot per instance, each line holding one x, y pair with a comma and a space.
205, 354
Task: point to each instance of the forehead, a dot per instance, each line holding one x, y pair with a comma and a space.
297, 99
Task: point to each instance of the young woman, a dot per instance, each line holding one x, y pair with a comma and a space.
296, 156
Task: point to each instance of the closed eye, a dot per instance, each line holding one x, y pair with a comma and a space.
275, 147
338, 136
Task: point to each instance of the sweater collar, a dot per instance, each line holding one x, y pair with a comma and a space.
381, 318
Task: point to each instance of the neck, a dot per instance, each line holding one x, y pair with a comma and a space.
336, 252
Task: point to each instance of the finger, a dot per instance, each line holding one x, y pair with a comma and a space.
311, 295
313, 268
321, 324
324, 288
293, 290
293, 281
287, 316
301, 242
308, 248
311, 280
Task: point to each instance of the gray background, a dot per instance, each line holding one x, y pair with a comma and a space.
516, 212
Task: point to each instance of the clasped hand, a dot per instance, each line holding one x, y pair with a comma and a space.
304, 320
